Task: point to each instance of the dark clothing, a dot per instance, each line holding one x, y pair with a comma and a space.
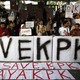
58, 20
12, 31
75, 32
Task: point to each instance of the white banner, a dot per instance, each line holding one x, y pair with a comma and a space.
36, 75
66, 49
40, 48
16, 48
32, 71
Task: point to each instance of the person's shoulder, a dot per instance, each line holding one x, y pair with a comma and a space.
0, 27
73, 30
61, 27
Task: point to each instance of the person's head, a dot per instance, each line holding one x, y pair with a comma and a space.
41, 21
11, 24
65, 23
77, 16
77, 26
2, 24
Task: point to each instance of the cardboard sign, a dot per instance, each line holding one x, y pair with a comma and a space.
76, 8
68, 8
29, 24
25, 32
68, 15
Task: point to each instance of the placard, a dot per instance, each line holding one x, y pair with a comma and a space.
25, 32
29, 24
68, 8
68, 15
76, 8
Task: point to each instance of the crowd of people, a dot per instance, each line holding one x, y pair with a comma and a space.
56, 25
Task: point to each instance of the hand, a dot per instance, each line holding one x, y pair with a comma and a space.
39, 34
66, 34
3, 33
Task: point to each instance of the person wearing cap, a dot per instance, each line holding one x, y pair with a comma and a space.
3, 30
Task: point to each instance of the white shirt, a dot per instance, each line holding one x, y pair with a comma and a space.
63, 31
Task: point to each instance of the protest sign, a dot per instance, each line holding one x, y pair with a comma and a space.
25, 32
76, 8
29, 24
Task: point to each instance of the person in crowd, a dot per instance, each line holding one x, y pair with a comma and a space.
54, 30
64, 30
49, 25
41, 29
58, 19
62, 16
34, 28
12, 29
3, 29
22, 26
76, 16
76, 30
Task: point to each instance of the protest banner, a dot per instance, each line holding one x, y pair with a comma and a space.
40, 48
33, 70
16, 48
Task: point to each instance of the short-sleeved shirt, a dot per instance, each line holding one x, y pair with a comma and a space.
63, 31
